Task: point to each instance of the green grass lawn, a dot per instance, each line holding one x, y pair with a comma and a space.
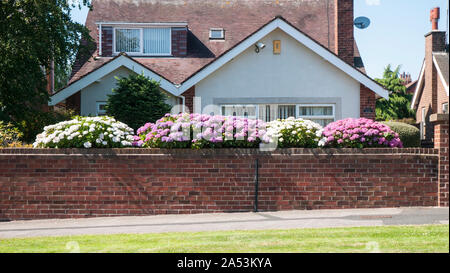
433, 238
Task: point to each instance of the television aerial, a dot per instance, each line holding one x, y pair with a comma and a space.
362, 22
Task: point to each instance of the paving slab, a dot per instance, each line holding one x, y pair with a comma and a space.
226, 221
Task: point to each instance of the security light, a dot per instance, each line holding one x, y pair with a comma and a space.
259, 46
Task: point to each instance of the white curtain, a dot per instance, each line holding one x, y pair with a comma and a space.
157, 41
316, 111
128, 40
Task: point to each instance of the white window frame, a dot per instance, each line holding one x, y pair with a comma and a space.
141, 43
100, 112
217, 29
333, 117
277, 113
443, 108
423, 123
242, 105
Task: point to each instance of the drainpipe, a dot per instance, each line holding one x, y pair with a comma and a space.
183, 104
100, 53
255, 205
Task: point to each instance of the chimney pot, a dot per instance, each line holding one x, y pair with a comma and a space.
434, 18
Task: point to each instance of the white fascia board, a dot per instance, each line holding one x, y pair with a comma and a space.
303, 39
228, 57
418, 87
105, 70
157, 24
441, 77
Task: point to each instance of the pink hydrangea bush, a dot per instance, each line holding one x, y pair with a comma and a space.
359, 133
201, 131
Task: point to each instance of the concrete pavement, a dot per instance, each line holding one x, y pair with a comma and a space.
223, 221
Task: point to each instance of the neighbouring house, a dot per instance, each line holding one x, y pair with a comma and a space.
409, 84
431, 94
253, 58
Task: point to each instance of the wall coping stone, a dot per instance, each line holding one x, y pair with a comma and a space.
225, 152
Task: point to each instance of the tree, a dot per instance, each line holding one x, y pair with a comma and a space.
136, 101
33, 34
399, 104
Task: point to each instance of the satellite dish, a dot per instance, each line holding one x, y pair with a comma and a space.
362, 22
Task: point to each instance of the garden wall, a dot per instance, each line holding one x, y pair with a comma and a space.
48, 183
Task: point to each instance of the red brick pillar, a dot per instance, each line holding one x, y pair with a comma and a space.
441, 143
367, 101
189, 99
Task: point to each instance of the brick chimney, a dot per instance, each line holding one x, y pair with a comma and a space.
344, 34
434, 42
406, 78
435, 15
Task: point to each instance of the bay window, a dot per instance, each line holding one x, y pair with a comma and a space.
243, 111
286, 111
322, 114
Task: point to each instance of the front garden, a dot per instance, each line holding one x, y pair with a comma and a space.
196, 131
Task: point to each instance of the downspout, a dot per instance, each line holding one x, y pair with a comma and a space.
183, 104
100, 53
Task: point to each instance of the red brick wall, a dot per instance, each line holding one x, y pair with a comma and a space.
367, 103
36, 184
441, 143
107, 41
179, 42
344, 41
189, 99
74, 102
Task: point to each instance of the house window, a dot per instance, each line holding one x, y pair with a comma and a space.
101, 108
128, 40
243, 111
217, 34
322, 114
143, 41
267, 116
445, 108
286, 111
423, 123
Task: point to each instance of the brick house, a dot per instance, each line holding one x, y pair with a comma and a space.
431, 95
261, 59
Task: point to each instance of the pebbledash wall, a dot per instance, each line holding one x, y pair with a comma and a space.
38, 184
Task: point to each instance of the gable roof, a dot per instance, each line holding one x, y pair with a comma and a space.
205, 71
280, 23
419, 87
440, 60
122, 60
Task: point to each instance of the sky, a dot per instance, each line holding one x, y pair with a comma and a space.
395, 36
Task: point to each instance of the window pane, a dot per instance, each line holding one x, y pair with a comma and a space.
239, 111
128, 40
286, 111
323, 122
101, 108
157, 41
445, 108
216, 34
316, 110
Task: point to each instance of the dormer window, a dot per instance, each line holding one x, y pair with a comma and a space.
217, 34
143, 41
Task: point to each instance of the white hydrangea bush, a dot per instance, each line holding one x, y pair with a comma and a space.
295, 133
86, 132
